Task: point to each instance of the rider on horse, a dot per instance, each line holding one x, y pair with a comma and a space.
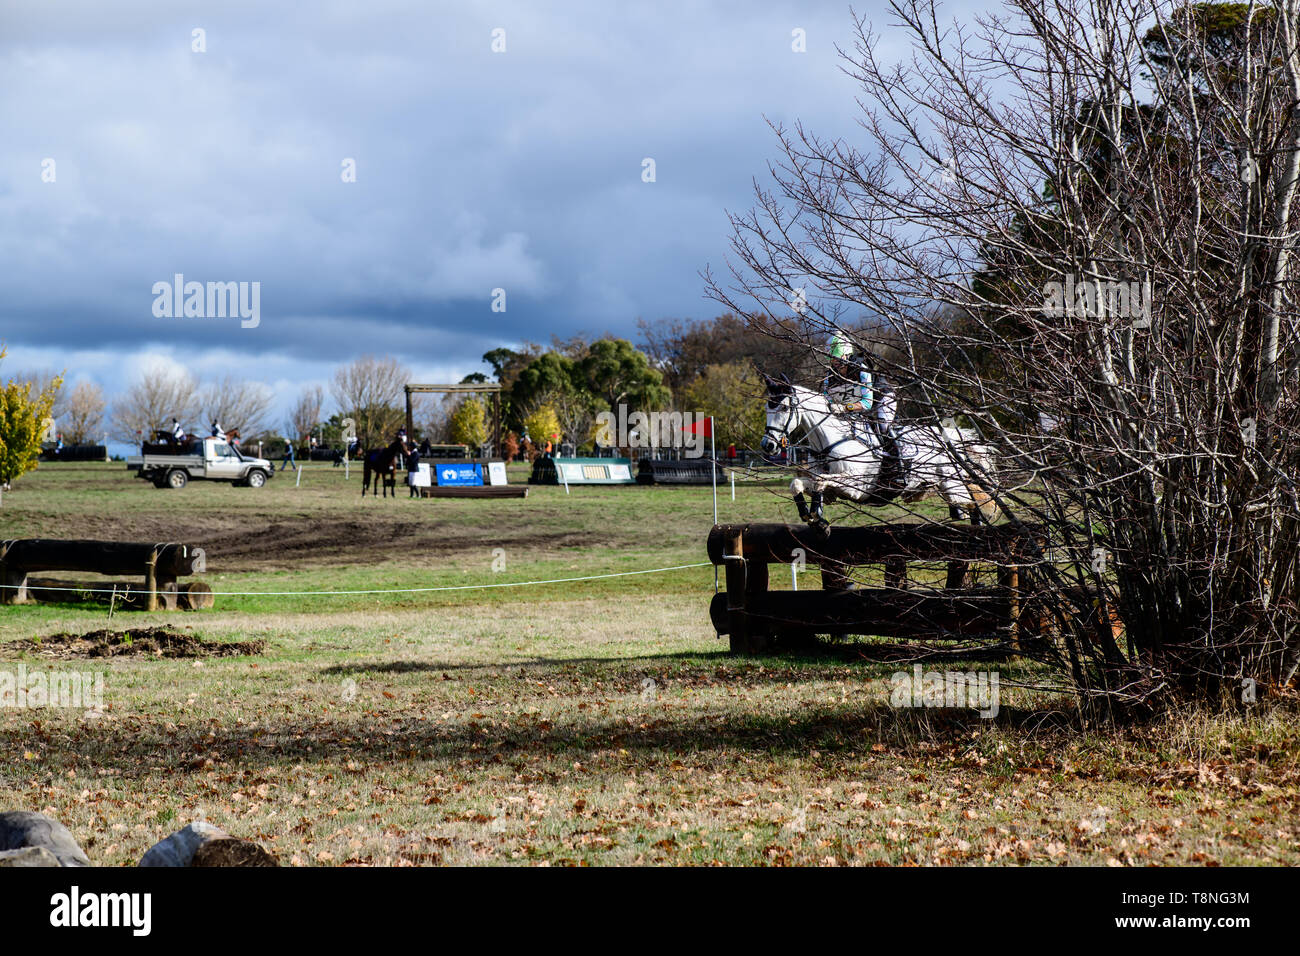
853, 385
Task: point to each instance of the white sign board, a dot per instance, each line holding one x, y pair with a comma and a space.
423, 478
620, 472
496, 473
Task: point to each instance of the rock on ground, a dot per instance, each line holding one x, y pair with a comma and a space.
20, 829
203, 844
28, 856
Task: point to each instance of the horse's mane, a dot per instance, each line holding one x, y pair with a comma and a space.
809, 398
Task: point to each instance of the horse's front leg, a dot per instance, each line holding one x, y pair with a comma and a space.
800, 502
819, 496
818, 499
813, 515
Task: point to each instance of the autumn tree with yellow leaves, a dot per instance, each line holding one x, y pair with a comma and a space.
23, 410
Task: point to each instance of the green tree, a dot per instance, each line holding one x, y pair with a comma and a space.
506, 363
547, 373
733, 394
469, 423
23, 410
617, 373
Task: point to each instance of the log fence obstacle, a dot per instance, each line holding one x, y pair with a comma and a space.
159, 564
475, 491
679, 471
756, 619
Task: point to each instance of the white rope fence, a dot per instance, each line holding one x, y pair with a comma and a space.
449, 587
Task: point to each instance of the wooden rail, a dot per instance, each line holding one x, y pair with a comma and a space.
753, 617
160, 565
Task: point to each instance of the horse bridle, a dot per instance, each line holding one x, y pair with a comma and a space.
784, 438
791, 415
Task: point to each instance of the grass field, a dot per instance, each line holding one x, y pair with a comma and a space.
585, 722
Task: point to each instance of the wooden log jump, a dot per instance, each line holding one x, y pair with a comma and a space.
475, 491
159, 564
753, 617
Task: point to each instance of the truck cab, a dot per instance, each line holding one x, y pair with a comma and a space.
221, 460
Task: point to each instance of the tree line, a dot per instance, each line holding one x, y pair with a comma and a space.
549, 393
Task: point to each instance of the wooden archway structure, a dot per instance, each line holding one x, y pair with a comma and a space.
470, 388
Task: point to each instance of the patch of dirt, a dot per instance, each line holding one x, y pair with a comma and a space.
260, 542
136, 642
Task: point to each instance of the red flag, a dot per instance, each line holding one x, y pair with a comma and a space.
703, 427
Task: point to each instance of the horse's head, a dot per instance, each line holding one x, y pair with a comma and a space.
782, 413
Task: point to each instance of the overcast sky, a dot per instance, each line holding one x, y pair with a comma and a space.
475, 170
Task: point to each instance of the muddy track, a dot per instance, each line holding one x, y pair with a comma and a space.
263, 542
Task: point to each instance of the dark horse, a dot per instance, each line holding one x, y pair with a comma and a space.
383, 462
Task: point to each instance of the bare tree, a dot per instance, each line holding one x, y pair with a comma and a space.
42, 380
306, 412
84, 413
433, 416
370, 391
237, 405
1077, 222
159, 394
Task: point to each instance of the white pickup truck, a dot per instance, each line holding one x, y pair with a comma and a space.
210, 458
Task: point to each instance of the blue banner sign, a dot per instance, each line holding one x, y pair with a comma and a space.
451, 474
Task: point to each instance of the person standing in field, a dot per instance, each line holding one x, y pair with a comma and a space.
288, 455
413, 469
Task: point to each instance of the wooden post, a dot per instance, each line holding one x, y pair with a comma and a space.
498, 450
958, 575
737, 580
13, 579
1009, 581
410, 416
756, 583
15, 585
151, 582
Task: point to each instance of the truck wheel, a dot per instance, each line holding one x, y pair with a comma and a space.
176, 478
256, 478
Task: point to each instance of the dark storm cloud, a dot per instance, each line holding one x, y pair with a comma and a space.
475, 170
